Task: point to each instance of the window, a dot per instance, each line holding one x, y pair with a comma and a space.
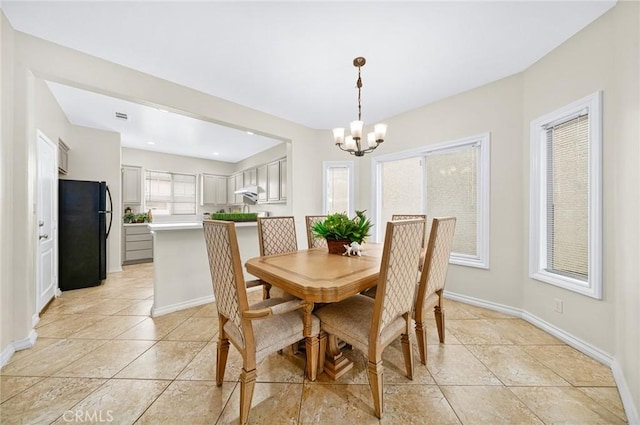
566, 202
338, 194
449, 179
170, 193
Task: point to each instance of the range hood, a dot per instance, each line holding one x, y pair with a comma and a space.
250, 193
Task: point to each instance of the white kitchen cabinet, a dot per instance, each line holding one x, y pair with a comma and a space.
63, 157
234, 183
273, 181
131, 185
262, 183
138, 244
239, 184
250, 177
214, 190
231, 187
283, 179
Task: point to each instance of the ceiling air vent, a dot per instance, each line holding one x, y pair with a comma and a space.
121, 116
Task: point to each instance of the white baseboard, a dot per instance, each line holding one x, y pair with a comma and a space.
597, 354
28, 342
6, 354
155, 312
114, 270
633, 417
500, 308
35, 319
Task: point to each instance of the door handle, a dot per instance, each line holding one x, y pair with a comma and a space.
44, 236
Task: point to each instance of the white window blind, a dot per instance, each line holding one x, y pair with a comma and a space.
338, 187
565, 216
568, 197
452, 190
337, 190
170, 193
447, 179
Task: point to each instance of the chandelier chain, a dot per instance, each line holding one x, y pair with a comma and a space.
359, 85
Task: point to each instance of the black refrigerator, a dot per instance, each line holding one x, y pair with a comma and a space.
82, 233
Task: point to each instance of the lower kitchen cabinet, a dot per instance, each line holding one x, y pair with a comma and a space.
138, 244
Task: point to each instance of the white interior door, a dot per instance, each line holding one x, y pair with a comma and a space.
46, 277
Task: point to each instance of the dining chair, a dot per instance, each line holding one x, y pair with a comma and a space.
429, 293
396, 217
276, 235
312, 241
257, 330
370, 325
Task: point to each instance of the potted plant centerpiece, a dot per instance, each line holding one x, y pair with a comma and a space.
340, 230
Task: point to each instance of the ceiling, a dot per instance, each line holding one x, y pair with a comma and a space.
294, 59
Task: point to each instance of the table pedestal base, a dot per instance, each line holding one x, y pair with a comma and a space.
335, 363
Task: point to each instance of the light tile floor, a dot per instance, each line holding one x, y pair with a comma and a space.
100, 357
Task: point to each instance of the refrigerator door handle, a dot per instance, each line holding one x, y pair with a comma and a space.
109, 211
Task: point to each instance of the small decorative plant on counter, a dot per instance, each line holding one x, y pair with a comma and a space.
340, 230
235, 216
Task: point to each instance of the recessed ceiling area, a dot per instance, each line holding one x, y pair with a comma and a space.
155, 129
293, 59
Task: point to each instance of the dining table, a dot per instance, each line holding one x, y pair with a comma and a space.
318, 277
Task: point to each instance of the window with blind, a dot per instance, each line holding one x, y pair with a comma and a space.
338, 187
170, 193
566, 229
449, 179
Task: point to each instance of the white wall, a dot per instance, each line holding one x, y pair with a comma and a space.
35, 59
176, 163
494, 108
609, 50
95, 155
604, 56
6, 186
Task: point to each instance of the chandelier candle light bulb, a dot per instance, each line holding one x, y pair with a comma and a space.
352, 143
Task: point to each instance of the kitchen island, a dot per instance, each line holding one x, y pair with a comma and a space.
181, 277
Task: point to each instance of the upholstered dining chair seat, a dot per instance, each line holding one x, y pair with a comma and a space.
273, 332
350, 320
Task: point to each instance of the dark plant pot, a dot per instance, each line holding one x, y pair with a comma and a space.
337, 246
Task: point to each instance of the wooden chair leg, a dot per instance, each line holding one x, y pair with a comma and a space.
247, 385
376, 377
439, 313
312, 343
407, 352
421, 336
221, 364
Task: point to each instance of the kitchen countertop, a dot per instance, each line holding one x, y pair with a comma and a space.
154, 227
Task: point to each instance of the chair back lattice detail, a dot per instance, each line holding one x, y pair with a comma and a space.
277, 235
224, 260
312, 241
399, 269
438, 252
396, 217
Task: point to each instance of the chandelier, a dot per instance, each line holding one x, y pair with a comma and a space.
354, 143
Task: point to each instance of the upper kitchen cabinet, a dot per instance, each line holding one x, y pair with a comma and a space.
277, 181
262, 183
283, 179
131, 185
63, 157
250, 177
273, 181
214, 190
234, 182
